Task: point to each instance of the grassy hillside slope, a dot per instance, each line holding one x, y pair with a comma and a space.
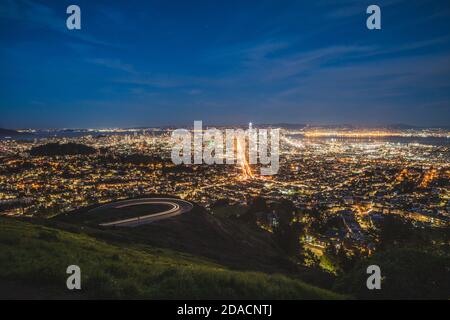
227, 242
34, 256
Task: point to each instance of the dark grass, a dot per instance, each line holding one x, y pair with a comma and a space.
37, 256
103, 215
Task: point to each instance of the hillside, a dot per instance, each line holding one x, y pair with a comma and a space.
34, 258
410, 273
8, 132
224, 241
58, 149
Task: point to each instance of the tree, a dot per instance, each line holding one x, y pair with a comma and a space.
285, 211
287, 236
393, 231
406, 274
257, 204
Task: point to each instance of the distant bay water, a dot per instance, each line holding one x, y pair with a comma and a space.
437, 141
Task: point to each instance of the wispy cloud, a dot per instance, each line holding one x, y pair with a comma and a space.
37, 14
115, 64
341, 9
266, 65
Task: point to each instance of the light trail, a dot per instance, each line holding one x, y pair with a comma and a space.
242, 160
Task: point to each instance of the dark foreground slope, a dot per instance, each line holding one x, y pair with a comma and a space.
34, 258
225, 241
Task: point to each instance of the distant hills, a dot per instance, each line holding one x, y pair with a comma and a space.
57, 149
283, 125
9, 132
395, 126
291, 126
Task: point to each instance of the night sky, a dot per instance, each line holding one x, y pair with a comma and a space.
149, 63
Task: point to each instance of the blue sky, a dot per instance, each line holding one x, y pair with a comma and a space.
145, 63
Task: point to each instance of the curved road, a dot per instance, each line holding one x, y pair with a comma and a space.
177, 207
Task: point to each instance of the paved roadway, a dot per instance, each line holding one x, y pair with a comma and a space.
176, 207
